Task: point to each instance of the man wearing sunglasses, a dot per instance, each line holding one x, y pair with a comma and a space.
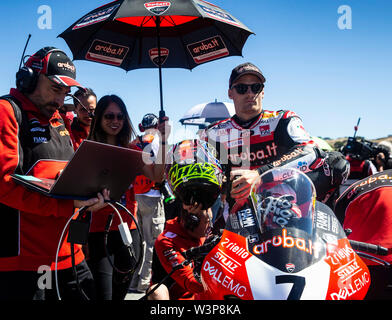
85, 102
254, 140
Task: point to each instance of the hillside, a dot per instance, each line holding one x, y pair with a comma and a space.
336, 143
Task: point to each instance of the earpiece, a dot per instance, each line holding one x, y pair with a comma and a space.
141, 129
26, 79
191, 221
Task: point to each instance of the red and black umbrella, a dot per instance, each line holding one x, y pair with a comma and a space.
134, 34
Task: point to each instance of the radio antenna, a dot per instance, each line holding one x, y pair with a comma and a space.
356, 127
24, 50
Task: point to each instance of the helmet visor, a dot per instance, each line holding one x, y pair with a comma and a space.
285, 198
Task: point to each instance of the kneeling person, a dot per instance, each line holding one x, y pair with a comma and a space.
195, 177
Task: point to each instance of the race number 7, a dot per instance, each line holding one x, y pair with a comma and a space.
298, 285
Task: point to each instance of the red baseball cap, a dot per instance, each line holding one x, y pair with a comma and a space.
56, 65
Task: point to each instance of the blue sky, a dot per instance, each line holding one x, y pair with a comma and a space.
330, 77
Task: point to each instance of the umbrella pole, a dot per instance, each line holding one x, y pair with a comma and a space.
158, 22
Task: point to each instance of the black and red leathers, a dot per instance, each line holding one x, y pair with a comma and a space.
273, 139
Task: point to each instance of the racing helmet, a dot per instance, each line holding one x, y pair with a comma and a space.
193, 172
285, 198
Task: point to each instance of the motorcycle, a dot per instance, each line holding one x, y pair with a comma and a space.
283, 244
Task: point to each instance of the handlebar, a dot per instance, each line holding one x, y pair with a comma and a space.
197, 252
190, 254
368, 247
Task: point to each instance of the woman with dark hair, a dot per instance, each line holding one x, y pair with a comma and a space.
111, 123
111, 264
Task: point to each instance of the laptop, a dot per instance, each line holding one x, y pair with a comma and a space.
93, 167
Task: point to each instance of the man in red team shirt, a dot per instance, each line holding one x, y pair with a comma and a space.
32, 129
195, 176
365, 208
179, 235
85, 102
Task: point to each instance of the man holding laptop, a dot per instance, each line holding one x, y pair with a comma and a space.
32, 129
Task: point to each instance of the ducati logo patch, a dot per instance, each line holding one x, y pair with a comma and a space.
154, 56
157, 7
290, 267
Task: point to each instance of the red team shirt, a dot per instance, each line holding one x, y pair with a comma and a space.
366, 208
42, 218
169, 245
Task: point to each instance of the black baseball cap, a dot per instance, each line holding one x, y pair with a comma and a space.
245, 68
56, 65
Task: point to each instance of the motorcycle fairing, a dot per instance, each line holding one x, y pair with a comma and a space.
288, 249
269, 283
349, 277
286, 262
230, 270
224, 269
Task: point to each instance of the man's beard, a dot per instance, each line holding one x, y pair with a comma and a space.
49, 109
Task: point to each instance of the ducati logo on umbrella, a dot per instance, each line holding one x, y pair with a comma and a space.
157, 7
154, 56
192, 29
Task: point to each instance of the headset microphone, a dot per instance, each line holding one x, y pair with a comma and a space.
90, 114
24, 51
25, 77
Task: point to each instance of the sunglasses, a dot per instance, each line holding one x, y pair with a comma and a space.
242, 88
89, 112
111, 116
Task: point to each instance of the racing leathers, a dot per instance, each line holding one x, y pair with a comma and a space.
276, 139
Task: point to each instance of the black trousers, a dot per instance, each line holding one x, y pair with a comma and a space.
112, 284
33, 285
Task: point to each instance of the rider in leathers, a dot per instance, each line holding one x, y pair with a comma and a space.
259, 139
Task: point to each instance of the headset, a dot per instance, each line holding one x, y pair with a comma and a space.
26, 77
90, 114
